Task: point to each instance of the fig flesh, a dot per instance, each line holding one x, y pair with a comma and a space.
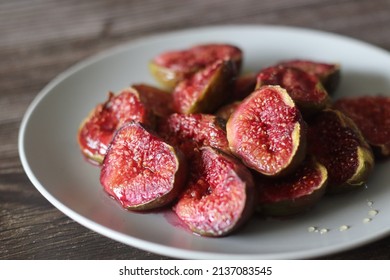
372, 115
96, 131
140, 170
192, 131
327, 73
205, 91
220, 196
338, 144
304, 88
292, 194
268, 132
170, 68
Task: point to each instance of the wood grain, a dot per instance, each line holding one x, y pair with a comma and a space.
41, 38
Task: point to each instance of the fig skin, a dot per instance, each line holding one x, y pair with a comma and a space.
97, 129
243, 86
328, 73
172, 67
141, 171
293, 194
305, 89
337, 143
205, 91
192, 131
227, 110
159, 101
220, 196
255, 127
372, 116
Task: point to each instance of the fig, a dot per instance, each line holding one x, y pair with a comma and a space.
327, 73
191, 131
205, 91
227, 110
372, 115
220, 196
292, 194
243, 86
338, 144
170, 68
267, 132
140, 170
159, 101
304, 88
96, 131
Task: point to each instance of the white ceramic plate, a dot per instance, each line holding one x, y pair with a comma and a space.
52, 160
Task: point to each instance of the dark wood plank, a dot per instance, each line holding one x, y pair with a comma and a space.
41, 38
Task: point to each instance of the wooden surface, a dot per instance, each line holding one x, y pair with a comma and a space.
41, 38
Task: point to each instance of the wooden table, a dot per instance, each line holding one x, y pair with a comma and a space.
41, 38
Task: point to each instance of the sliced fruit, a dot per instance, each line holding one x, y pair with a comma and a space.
338, 144
327, 73
294, 193
96, 131
140, 170
267, 132
227, 110
304, 88
170, 68
372, 115
220, 196
243, 86
205, 91
191, 131
160, 102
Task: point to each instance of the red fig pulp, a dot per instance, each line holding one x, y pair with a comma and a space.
192, 131
140, 170
372, 115
267, 132
172, 67
220, 194
292, 194
97, 130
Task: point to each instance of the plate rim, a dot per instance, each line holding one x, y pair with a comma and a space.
144, 244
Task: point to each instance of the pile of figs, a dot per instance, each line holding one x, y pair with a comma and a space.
216, 145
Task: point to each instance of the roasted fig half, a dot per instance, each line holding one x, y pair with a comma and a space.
305, 89
96, 131
172, 67
227, 110
292, 194
220, 196
338, 144
268, 132
205, 91
327, 73
243, 86
191, 131
159, 101
372, 115
140, 170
